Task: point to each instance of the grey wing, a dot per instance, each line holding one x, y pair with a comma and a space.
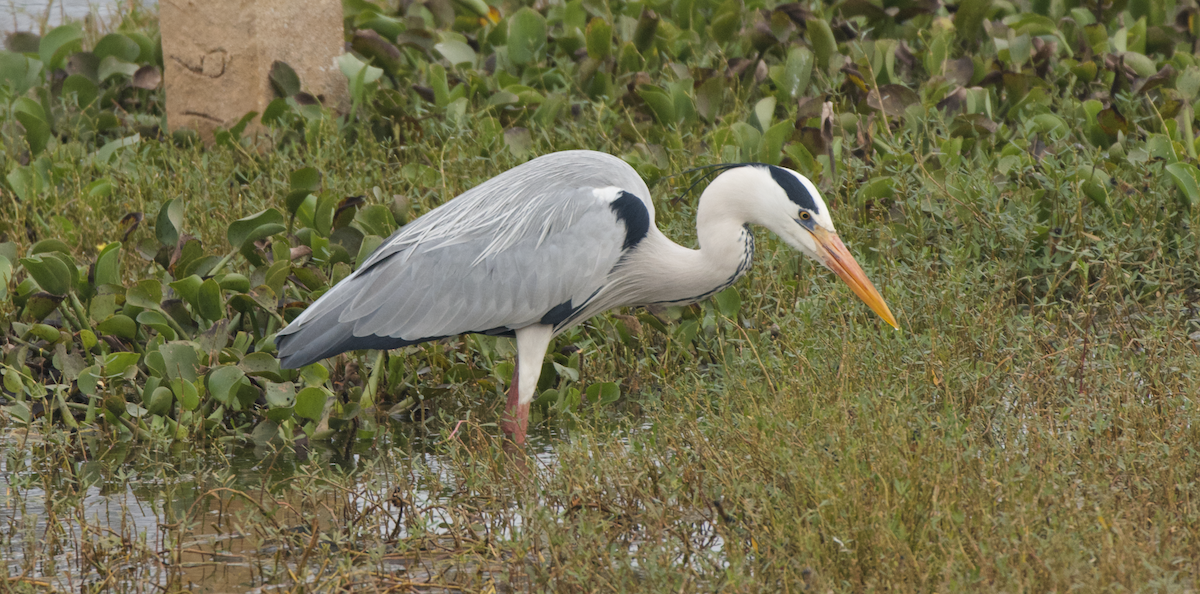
517, 250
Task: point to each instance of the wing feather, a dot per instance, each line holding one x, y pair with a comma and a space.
500, 256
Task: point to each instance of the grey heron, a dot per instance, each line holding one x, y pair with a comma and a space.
550, 243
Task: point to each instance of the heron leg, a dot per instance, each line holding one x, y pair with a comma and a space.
531, 351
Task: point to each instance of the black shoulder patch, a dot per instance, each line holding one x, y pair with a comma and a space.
558, 314
632, 211
794, 189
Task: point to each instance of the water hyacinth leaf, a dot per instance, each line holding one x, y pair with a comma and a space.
112, 66
710, 97
158, 321
119, 363
169, 222
159, 401
281, 394
369, 244
456, 52
968, 20
6, 270
519, 141
1188, 83
324, 212
120, 326
209, 299
660, 104
793, 77
45, 332
254, 227
1187, 180
223, 383
820, 36
262, 365
84, 90
187, 394
59, 43
284, 80
19, 72
50, 272
526, 36
729, 302
188, 288
310, 403
40, 305
599, 40
37, 131
892, 99
110, 148
603, 393
764, 113
356, 69
724, 26
146, 294
179, 361
118, 46
108, 265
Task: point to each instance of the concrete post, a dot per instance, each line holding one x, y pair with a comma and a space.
217, 56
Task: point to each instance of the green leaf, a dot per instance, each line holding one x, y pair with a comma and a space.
375, 219
210, 304
179, 360
223, 383
660, 104
456, 52
262, 365
146, 294
189, 288
160, 400
1187, 180
169, 222
118, 325
37, 131
59, 43
254, 227
968, 20
526, 36
19, 72
603, 393
118, 46
310, 403
112, 66
283, 79
108, 265
820, 35
50, 272
110, 148
599, 39
282, 394
118, 363
797, 69
729, 302
186, 393
158, 321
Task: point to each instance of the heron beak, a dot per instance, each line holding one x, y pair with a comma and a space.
839, 260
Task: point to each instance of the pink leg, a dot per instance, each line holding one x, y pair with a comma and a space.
516, 415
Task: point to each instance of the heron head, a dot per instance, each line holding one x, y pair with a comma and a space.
791, 207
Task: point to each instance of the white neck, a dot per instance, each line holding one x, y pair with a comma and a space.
671, 273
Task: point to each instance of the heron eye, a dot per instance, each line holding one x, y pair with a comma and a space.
804, 215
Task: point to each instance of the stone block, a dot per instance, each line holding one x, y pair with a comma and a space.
217, 57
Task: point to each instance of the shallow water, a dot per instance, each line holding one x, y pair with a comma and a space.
74, 515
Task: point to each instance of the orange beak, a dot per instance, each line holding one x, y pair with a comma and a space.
839, 260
